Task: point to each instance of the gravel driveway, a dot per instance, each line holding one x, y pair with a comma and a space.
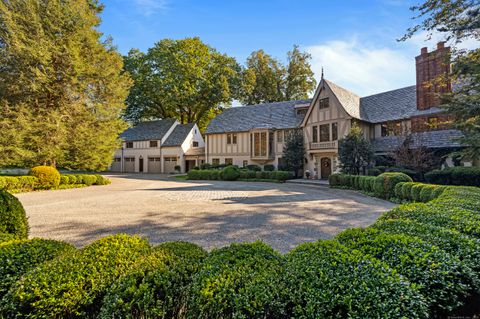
211, 214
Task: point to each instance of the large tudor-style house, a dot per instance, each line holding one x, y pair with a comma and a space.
255, 134
163, 146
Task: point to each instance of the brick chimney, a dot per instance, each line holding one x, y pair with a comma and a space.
432, 75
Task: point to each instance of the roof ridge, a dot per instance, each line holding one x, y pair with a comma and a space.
402, 88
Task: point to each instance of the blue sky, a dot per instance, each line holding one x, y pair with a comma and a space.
355, 41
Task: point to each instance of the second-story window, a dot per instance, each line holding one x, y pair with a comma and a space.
324, 103
334, 131
315, 134
280, 136
153, 143
383, 129
195, 144
232, 138
260, 144
129, 144
325, 133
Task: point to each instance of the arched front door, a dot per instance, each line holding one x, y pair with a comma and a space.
326, 167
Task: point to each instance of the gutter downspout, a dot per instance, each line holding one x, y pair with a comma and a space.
121, 162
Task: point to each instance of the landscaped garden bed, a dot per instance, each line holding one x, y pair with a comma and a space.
419, 260
47, 177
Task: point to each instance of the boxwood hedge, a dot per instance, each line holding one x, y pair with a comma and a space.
467, 176
326, 280
74, 284
157, 287
238, 281
20, 256
13, 219
443, 279
466, 248
384, 186
464, 221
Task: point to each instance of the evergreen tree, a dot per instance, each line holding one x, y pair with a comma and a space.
61, 86
184, 79
354, 151
294, 151
457, 21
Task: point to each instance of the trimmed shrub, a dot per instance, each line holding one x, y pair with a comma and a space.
18, 183
238, 281
283, 175
158, 286
463, 176
385, 183
21, 256
426, 193
79, 178
399, 190
230, 173
72, 179
48, 177
244, 174
466, 248
74, 284
89, 180
433, 213
101, 180
268, 167
464, 197
13, 219
415, 192
255, 168
416, 176
64, 180
335, 179
407, 190
443, 279
326, 280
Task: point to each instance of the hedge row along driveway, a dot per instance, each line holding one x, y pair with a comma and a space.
209, 213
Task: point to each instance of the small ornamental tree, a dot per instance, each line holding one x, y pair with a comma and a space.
355, 152
294, 151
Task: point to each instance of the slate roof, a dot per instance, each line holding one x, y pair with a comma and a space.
429, 139
392, 105
348, 99
277, 115
179, 134
152, 130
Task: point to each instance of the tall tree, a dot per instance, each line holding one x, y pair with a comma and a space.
457, 21
184, 79
266, 79
300, 81
354, 151
61, 86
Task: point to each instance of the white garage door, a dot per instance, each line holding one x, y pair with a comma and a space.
169, 164
116, 165
154, 165
130, 164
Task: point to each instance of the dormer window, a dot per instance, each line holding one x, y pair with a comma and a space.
153, 143
324, 103
129, 144
195, 144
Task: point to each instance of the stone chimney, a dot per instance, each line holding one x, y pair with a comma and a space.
432, 69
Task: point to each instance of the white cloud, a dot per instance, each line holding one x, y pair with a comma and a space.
361, 68
149, 7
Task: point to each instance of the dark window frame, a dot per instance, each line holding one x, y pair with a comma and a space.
323, 137
324, 103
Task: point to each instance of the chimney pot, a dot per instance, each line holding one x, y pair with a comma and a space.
440, 45
424, 50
